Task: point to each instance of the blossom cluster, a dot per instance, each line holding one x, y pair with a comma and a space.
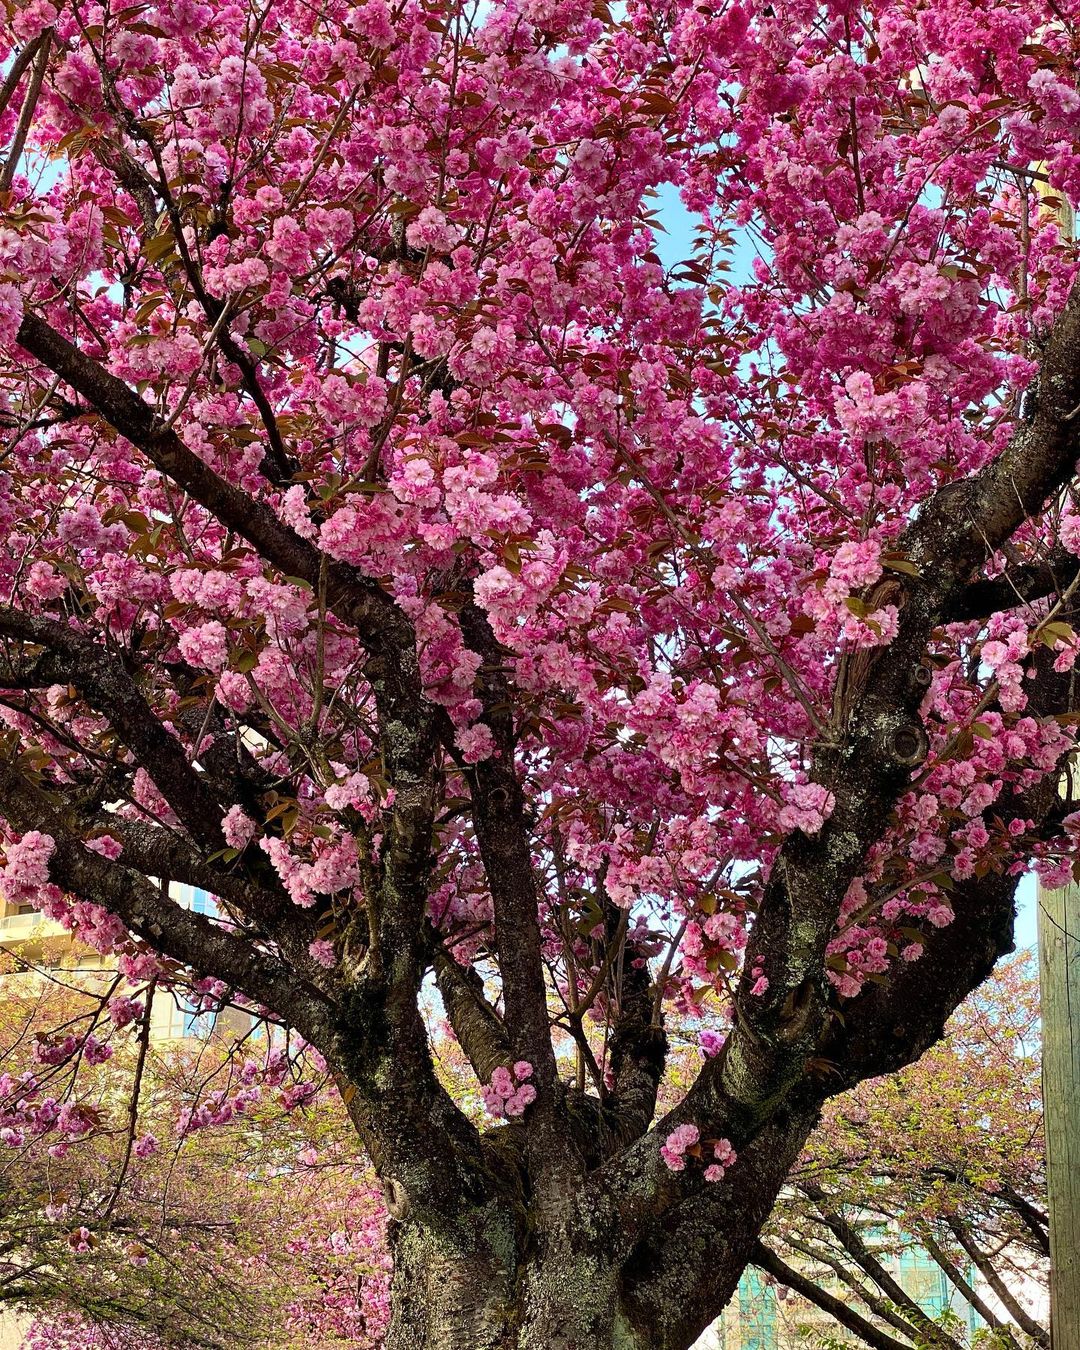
509, 1092
685, 1142
415, 331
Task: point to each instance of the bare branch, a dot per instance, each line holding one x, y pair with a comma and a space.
841, 1312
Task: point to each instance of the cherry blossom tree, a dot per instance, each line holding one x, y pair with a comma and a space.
946, 1158
507, 622
126, 1226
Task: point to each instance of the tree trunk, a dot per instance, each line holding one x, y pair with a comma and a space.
444, 1299
498, 1278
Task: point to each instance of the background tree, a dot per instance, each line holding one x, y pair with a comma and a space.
126, 1223
946, 1158
396, 548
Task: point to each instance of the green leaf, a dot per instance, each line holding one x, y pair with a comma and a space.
158, 247
1053, 633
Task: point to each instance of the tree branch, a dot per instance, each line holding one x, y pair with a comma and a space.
161, 854
18, 68
191, 939
108, 688
478, 1027
638, 1049
1036, 1222
1009, 1302
502, 835
846, 1234
966, 1291
841, 1312
877, 1304
879, 739
671, 1299
356, 599
41, 46
890, 1025
1022, 584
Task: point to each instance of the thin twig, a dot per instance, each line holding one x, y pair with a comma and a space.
26, 116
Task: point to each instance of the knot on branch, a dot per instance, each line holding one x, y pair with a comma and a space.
396, 1199
908, 745
900, 739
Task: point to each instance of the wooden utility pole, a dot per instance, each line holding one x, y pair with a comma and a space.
1059, 993
1059, 985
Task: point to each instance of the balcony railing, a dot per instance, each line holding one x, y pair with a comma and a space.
16, 930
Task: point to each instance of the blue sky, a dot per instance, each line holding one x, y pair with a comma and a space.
1027, 912
674, 243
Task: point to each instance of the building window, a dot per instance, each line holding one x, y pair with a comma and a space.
202, 902
196, 1024
185, 1022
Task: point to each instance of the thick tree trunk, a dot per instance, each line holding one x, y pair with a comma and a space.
493, 1283
444, 1297
442, 1301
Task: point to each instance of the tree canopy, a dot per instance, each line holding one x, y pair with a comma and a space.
125, 1225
